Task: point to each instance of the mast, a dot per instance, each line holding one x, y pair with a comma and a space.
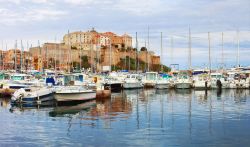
55, 51
2, 56
190, 51
15, 55
148, 51
137, 60
40, 57
91, 55
172, 49
27, 62
6, 48
161, 55
209, 54
222, 49
110, 58
80, 50
21, 57
238, 49
47, 57
129, 61
69, 53
60, 57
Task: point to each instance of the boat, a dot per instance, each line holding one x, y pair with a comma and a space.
132, 81
201, 80
74, 93
183, 81
149, 80
218, 80
32, 95
163, 82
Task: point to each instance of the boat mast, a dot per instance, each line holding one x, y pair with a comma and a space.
25, 58
15, 55
21, 57
2, 56
6, 48
161, 55
222, 49
55, 55
69, 52
91, 54
47, 58
137, 60
148, 51
40, 57
238, 49
190, 51
209, 54
172, 49
60, 59
80, 51
110, 58
129, 60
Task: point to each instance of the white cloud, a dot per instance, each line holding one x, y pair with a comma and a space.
141, 7
11, 17
79, 2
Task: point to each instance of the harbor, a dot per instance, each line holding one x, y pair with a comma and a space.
124, 73
181, 117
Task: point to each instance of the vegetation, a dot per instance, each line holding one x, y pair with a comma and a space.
124, 64
144, 49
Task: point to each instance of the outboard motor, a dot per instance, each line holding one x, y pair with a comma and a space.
18, 95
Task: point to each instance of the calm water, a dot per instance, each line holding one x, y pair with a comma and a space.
134, 118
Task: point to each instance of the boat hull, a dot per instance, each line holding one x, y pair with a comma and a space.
132, 85
114, 87
182, 85
77, 96
163, 85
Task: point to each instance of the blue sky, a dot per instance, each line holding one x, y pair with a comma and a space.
47, 20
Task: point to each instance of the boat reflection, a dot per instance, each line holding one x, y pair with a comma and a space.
31, 106
61, 111
4, 102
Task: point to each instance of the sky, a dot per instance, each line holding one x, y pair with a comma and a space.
43, 21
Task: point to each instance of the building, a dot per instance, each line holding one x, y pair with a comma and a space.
93, 40
14, 58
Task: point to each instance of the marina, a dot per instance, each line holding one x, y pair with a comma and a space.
124, 73
181, 117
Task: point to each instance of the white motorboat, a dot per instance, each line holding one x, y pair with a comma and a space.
163, 82
32, 95
183, 81
73, 93
201, 82
149, 80
132, 81
219, 81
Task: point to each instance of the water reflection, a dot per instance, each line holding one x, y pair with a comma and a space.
139, 117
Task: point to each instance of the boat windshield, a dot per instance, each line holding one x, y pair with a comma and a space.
17, 78
151, 76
